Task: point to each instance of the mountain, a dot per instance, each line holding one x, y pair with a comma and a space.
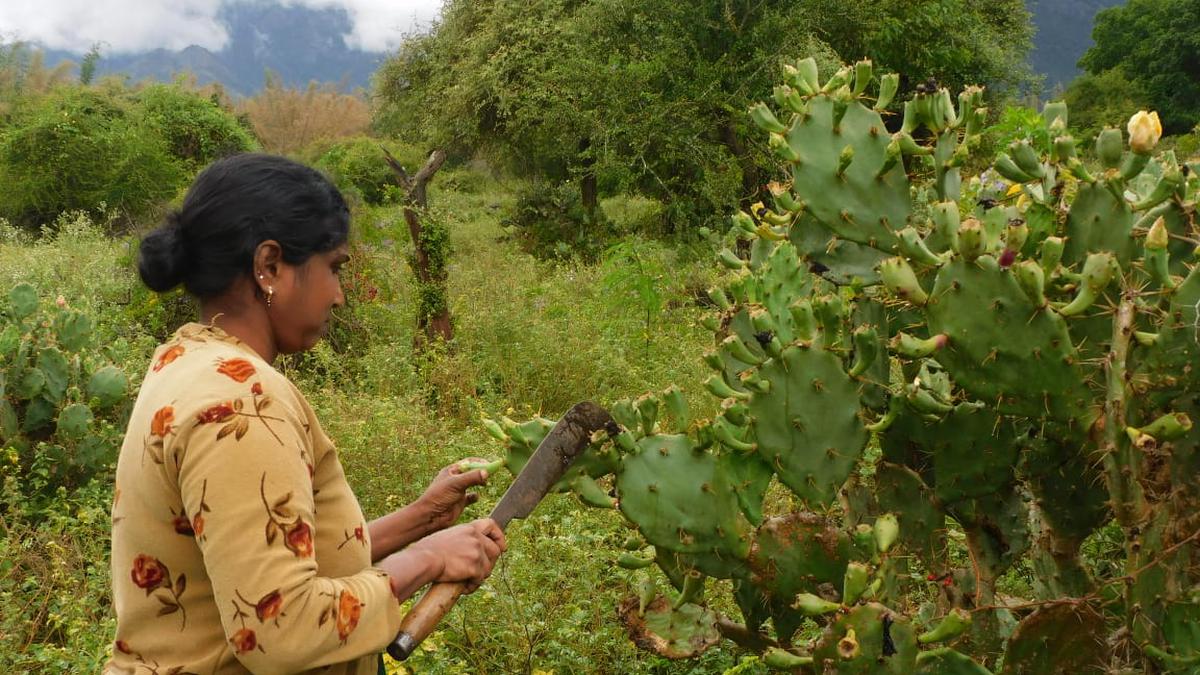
296, 43
1064, 33
302, 44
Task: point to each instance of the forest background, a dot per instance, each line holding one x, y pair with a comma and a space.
591, 145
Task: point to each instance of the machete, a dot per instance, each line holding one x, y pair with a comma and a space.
566, 441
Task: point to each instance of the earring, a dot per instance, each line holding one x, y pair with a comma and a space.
270, 294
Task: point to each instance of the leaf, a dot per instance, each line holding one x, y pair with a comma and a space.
168, 610
243, 425
166, 601
282, 500
324, 617
180, 584
266, 401
272, 530
237, 405
226, 430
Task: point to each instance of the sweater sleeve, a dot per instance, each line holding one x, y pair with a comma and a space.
246, 470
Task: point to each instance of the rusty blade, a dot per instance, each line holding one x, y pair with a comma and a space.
554, 455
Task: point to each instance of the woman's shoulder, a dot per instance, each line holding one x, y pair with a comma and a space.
201, 366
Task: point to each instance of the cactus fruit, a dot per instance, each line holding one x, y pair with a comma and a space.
951, 626
780, 659
946, 661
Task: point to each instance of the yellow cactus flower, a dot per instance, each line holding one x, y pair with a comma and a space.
1144, 131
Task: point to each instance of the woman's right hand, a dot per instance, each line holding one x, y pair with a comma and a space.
466, 552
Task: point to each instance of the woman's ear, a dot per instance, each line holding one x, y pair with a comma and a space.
268, 264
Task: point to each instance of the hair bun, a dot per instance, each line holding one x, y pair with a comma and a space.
162, 260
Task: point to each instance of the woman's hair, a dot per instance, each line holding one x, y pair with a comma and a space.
234, 205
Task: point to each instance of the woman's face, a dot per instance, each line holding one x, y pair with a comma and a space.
302, 305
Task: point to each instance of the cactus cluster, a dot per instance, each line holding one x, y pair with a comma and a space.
61, 405
1028, 362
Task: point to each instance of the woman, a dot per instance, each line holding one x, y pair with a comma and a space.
237, 544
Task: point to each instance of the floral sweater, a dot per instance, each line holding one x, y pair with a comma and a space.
237, 545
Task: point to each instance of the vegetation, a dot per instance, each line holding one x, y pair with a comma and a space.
1027, 345
597, 151
1152, 43
290, 121
628, 96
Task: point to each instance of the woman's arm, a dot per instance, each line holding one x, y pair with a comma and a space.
399, 529
464, 553
438, 508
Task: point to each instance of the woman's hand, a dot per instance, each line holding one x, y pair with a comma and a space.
446, 497
466, 552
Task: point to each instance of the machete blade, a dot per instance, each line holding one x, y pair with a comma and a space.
554, 455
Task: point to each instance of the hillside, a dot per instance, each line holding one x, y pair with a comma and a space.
297, 43
1064, 33
302, 44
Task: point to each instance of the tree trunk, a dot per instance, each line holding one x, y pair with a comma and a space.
433, 312
587, 184
750, 174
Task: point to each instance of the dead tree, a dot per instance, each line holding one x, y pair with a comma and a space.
430, 250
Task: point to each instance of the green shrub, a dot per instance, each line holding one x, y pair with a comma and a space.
196, 129
63, 406
56, 615
1105, 99
78, 149
554, 223
358, 167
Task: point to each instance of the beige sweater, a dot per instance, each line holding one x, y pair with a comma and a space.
237, 545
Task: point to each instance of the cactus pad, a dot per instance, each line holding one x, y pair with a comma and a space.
681, 499
797, 553
854, 203
1014, 355
807, 426
674, 633
1068, 637
883, 643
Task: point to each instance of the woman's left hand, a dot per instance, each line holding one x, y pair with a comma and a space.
446, 497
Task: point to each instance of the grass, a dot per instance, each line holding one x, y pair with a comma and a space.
531, 337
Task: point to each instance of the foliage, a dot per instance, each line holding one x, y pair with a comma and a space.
643, 96
633, 277
54, 579
197, 130
76, 149
1154, 42
1097, 99
358, 167
61, 403
530, 336
24, 77
552, 221
289, 121
1023, 363
87, 67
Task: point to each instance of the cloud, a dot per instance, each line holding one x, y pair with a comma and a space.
124, 26
380, 25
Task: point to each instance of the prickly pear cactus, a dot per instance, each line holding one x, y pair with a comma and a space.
62, 406
1023, 347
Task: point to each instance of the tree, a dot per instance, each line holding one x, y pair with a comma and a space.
650, 96
1155, 42
87, 67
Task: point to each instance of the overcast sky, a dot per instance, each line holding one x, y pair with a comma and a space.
138, 25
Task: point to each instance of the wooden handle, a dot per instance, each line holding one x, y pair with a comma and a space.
424, 617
